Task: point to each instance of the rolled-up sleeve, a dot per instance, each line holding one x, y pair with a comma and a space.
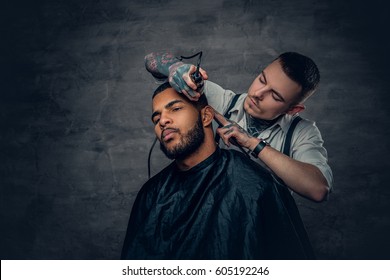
307, 146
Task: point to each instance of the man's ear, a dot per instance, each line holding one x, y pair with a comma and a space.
207, 114
295, 109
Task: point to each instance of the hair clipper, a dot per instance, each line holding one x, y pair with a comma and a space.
197, 78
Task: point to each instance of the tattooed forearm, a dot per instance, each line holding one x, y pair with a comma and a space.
167, 59
158, 64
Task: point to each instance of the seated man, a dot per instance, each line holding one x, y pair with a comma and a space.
209, 203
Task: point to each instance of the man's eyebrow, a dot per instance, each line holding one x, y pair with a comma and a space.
277, 93
167, 106
173, 102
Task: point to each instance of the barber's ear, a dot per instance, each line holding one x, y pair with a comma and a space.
207, 114
296, 109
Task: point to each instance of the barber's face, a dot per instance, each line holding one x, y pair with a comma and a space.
272, 94
178, 124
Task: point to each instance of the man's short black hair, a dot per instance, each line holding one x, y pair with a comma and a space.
200, 104
302, 70
161, 88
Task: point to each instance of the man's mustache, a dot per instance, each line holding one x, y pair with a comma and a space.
168, 130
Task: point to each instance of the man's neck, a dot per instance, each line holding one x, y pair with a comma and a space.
205, 150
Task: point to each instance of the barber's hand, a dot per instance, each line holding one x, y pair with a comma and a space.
180, 79
231, 132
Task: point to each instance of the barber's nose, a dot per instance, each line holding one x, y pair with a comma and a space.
261, 93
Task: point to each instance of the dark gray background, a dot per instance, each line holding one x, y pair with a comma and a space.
75, 112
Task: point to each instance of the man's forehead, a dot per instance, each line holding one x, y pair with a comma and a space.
275, 70
166, 96
274, 66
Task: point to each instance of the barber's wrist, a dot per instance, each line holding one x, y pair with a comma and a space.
252, 143
261, 144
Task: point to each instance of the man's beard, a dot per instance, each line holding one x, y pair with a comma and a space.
188, 144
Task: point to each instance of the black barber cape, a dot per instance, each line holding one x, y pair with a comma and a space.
226, 207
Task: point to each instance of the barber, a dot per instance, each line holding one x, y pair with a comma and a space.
259, 120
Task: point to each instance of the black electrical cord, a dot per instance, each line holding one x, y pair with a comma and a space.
192, 56
150, 154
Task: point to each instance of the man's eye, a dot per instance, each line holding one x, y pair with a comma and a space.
176, 109
155, 121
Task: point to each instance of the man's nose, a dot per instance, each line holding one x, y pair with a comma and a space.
164, 120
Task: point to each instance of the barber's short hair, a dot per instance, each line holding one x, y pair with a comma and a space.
302, 70
200, 104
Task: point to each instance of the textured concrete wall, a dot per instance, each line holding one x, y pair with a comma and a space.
75, 112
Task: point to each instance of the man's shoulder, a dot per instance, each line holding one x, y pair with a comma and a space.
156, 179
306, 123
247, 177
307, 129
243, 165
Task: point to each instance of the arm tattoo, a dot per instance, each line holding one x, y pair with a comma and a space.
158, 64
167, 59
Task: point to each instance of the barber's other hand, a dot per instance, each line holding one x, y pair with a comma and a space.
231, 130
180, 79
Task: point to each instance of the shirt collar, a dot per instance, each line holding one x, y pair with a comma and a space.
285, 121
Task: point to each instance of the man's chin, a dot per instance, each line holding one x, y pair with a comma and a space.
169, 146
168, 150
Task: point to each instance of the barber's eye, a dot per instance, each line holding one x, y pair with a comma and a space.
276, 98
261, 79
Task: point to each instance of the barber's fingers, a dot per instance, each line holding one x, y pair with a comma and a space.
180, 74
220, 119
204, 73
192, 95
229, 126
181, 81
180, 86
222, 135
227, 132
186, 77
192, 70
233, 131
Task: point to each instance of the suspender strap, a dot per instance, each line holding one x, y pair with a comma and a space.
287, 141
227, 114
